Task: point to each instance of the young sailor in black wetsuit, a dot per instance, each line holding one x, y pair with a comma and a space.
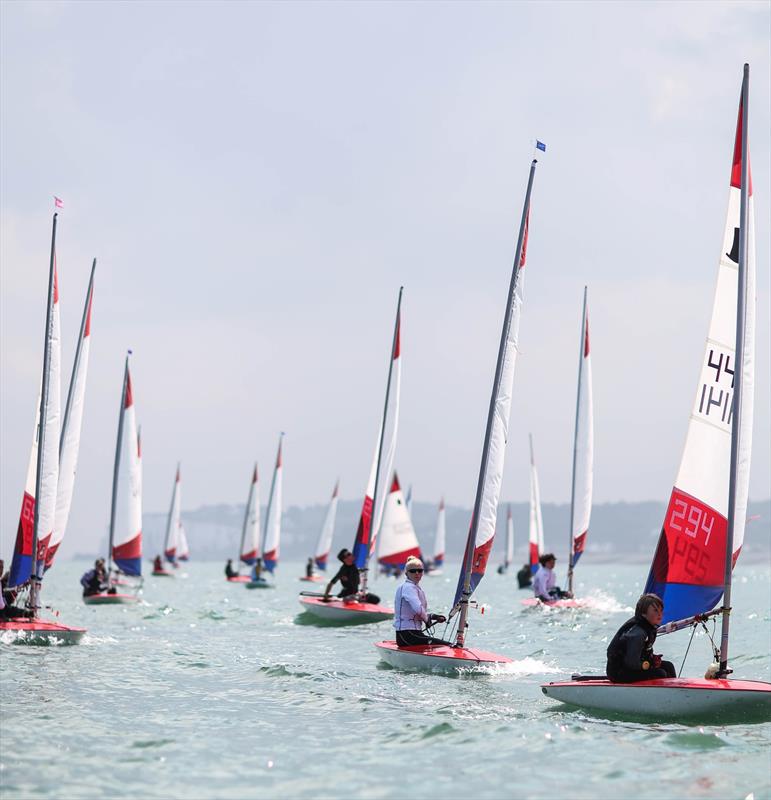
630, 653
309, 568
229, 571
348, 575
525, 577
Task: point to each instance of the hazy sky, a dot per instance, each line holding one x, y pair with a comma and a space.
257, 180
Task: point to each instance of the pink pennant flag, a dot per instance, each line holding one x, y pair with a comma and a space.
58, 203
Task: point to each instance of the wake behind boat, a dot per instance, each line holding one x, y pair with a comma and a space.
703, 529
482, 530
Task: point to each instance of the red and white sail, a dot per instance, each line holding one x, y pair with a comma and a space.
583, 449
535, 531
397, 535
689, 566
127, 492
71, 428
21, 566
174, 522
324, 542
250, 532
183, 551
272, 543
440, 536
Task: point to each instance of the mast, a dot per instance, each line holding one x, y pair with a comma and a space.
394, 345
575, 444
736, 428
116, 468
44, 391
469, 556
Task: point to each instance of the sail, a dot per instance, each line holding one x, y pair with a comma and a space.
127, 492
688, 570
250, 533
397, 536
43, 468
482, 530
69, 446
509, 558
583, 449
408, 500
364, 543
183, 551
535, 533
327, 531
173, 522
440, 536
271, 545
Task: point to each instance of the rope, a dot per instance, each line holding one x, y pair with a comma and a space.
715, 648
687, 649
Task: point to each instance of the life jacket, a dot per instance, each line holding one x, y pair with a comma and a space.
617, 646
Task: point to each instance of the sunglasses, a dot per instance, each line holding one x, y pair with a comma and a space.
413, 571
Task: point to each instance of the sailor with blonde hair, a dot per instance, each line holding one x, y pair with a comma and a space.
411, 609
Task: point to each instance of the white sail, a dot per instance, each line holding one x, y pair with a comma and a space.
583, 449
324, 542
127, 491
173, 522
440, 535
183, 550
272, 543
71, 428
689, 566
250, 533
397, 535
535, 533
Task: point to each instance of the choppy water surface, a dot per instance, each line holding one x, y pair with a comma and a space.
209, 690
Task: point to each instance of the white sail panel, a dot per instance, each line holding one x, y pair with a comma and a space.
583, 460
271, 546
397, 535
509, 537
70, 435
535, 532
440, 536
127, 536
324, 542
250, 534
173, 521
183, 550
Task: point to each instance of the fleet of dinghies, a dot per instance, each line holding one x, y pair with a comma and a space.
700, 541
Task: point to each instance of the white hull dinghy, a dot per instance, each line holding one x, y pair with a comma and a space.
705, 520
482, 530
338, 610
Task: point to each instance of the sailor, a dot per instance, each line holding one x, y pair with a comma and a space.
7, 598
309, 568
348, 575
95, 580
411, 609
525, 577
157, 564
257, 571
630, 653
229, 571
544, 582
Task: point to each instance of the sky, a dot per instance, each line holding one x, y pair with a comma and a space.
258, 179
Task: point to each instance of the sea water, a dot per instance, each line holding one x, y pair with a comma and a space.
208, 690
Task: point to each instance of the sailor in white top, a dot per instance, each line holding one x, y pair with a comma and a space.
544, 583
411, 609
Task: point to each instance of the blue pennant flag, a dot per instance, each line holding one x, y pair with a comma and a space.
540, 145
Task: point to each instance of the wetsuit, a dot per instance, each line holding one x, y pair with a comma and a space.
630, 649
229, 571
92, 583
525, 577
349, 578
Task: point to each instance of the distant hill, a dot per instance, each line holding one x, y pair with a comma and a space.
626, 531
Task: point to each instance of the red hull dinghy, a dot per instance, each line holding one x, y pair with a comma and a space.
37, 631
351, 613
703, 528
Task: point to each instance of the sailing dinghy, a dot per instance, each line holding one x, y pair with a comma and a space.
38, 511
482, 531
324, 543
249, 549
355, 609
124, 550
439, 541
704, 524
271, 539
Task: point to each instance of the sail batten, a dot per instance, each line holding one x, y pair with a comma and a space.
690, 568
